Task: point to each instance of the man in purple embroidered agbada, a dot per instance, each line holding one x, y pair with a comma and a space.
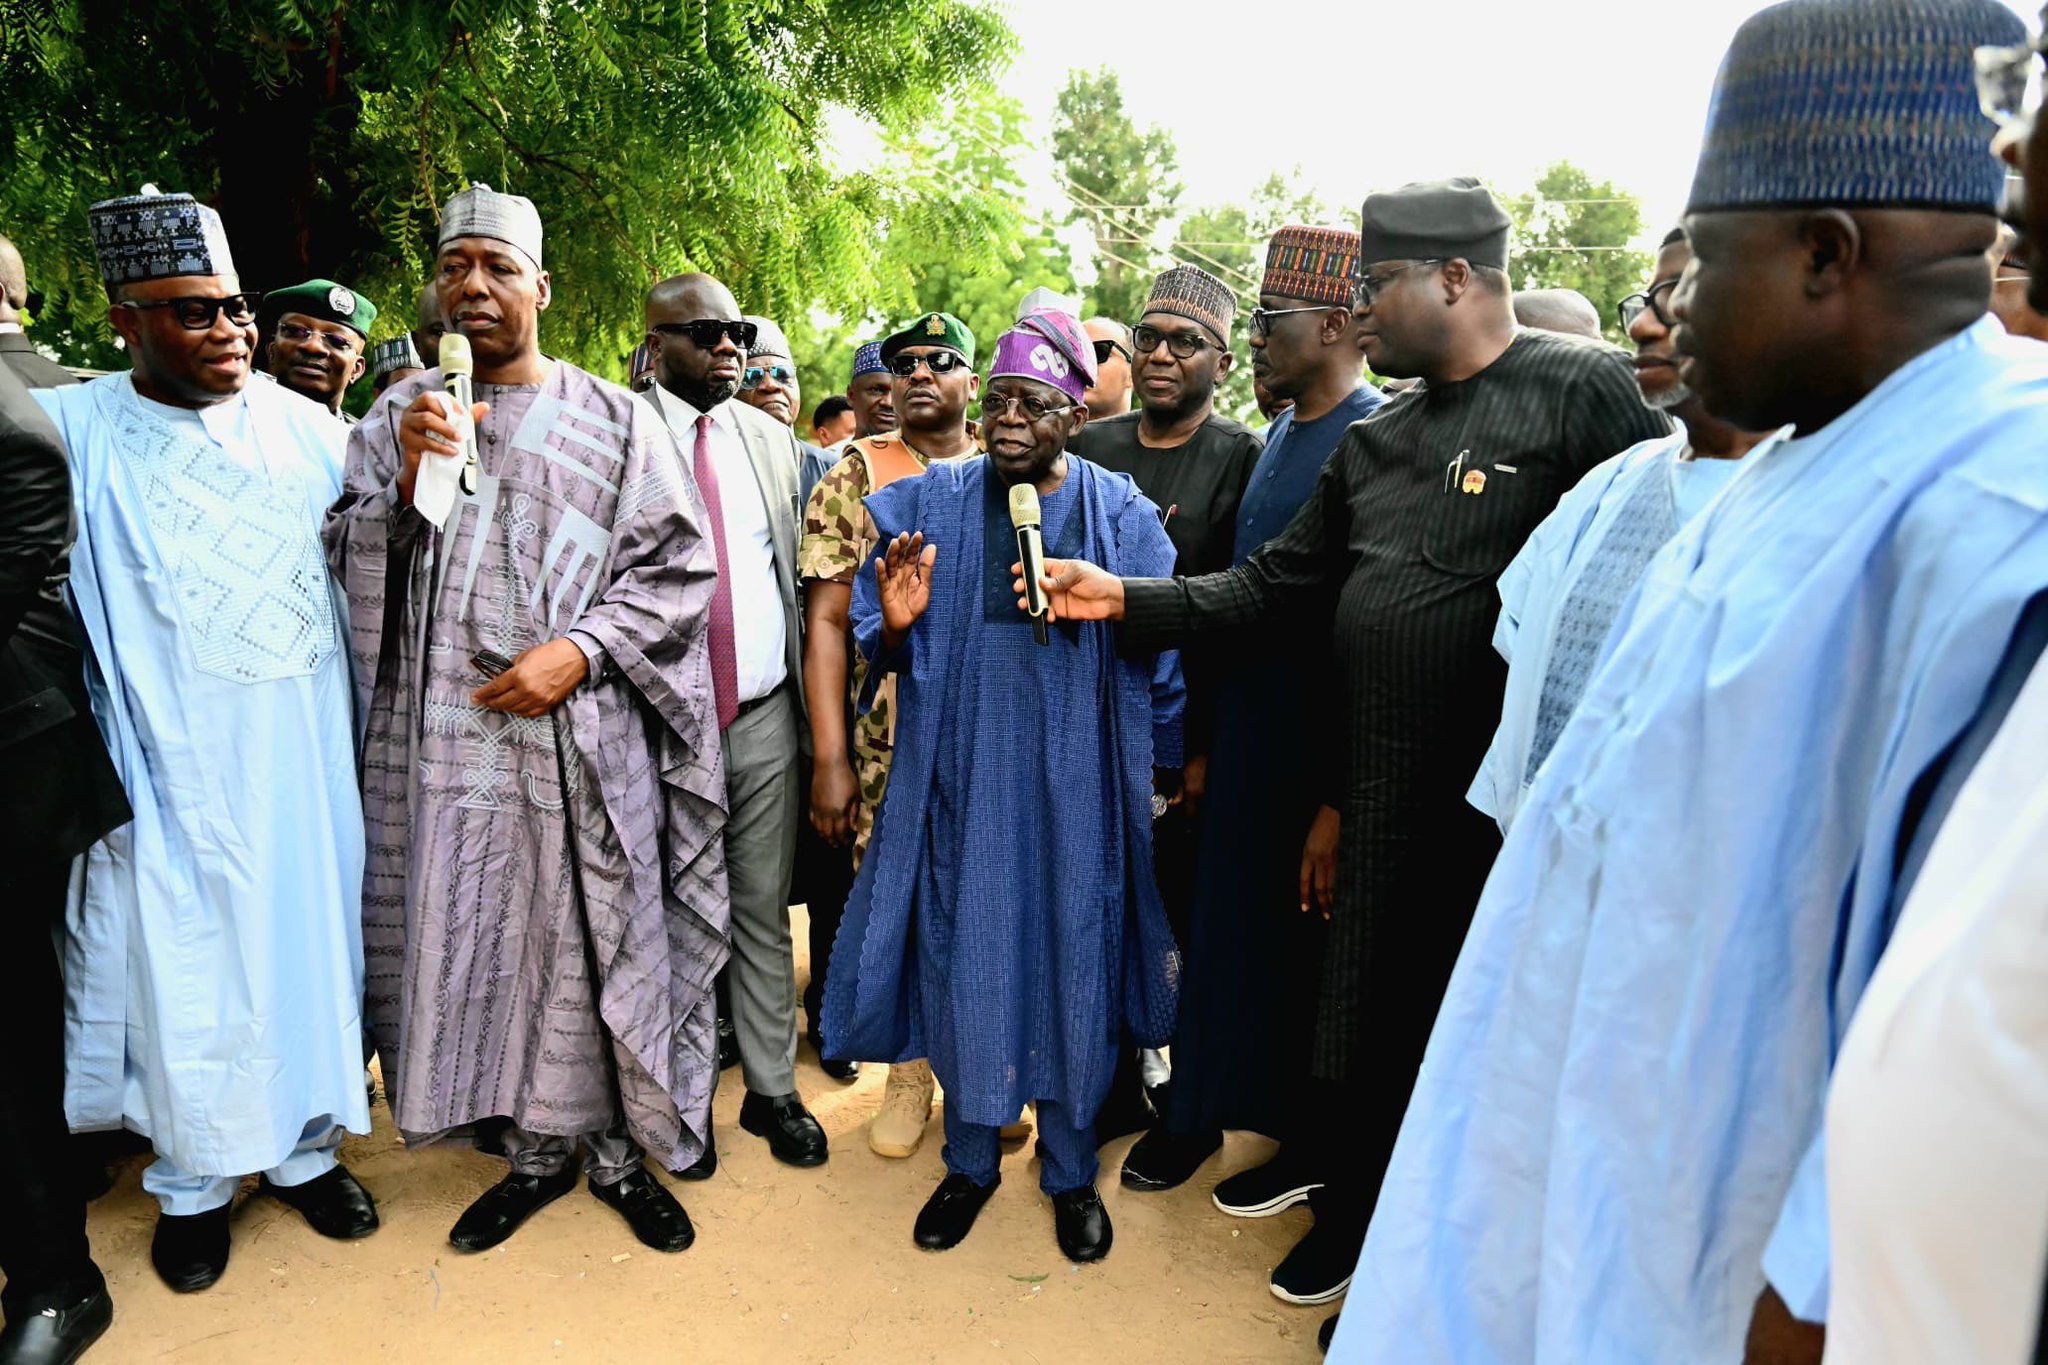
542, 781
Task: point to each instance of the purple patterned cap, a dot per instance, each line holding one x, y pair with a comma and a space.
1050, 347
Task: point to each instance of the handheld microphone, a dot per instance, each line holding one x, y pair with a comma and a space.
1030, 554
457, 366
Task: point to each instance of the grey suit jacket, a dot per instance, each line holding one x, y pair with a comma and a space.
773, 451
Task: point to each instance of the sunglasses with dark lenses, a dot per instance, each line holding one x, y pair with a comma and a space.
705, 332
1657, 299
754, 374
1107, 347
1180, 345
195, 313
341, 343
939, 362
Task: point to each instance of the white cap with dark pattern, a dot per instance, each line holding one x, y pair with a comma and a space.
155, 236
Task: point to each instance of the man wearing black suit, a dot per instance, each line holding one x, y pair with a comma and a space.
29, 365
55, 1300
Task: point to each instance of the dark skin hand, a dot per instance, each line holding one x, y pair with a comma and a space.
834, 792
1319, 862
1778, 1338
537, 681
904, 575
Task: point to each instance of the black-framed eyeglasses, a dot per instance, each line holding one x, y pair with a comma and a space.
1657, 299
341, 343
196, 312
752, 376
938, 362
1367, 288
705, 332
1262, 318
1180, 345
997, 406
1108, 347
2010, 82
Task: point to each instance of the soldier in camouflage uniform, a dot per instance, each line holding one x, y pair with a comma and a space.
932, 364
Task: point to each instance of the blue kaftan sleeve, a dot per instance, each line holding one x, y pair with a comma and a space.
1796, 1257
895, 510
1169, 705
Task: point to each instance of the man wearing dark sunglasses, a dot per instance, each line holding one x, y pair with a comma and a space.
319, 332
1110, 394
199, 581
769, 383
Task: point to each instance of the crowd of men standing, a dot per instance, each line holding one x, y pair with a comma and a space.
1584, 804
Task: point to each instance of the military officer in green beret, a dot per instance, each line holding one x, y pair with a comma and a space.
319, 337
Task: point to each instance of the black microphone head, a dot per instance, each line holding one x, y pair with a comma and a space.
455, 356
1023, 505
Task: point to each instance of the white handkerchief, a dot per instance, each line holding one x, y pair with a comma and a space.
440, 477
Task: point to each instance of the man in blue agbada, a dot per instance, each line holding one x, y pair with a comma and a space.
214, 968
1614, 1149
1006, 922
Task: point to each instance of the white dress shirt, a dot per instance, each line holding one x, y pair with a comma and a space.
759, 633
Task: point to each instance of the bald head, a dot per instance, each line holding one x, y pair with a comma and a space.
13, 282
430, 326
1558, 310
702, 376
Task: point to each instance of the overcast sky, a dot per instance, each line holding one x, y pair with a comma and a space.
1367, 94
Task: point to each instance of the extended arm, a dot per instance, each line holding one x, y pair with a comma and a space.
35, 512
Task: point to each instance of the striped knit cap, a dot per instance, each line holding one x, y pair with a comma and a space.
1188, 292
1313, 264
1854, 103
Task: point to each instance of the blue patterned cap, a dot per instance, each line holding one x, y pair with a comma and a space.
868, 360
1854, 103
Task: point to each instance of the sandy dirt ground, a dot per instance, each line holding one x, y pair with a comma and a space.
789, 1265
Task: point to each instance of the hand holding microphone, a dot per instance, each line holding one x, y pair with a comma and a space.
437, 437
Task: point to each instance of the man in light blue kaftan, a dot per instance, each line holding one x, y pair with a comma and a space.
1614, 1149
1006, 922
1562, 592
214, 969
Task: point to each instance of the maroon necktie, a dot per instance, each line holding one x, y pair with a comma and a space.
725, 668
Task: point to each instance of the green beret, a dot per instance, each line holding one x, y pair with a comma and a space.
933, 329
323, 299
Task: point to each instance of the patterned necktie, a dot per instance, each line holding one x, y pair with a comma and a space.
725, 669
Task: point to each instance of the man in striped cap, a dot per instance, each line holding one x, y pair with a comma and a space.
872, 391
1247, 1026
1415, 515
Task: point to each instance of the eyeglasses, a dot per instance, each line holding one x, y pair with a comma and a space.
195, 313
705, 332
1652, 301
2009, 82
754, 374
341, 343
997, 406
1262, 318
938, 362
1107, 347
1180, 345
1366, 289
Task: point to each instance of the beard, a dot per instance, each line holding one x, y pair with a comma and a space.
1677, 396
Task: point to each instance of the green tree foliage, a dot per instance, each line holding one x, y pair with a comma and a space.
655, 136
967, 161
1122, 181
1573, 232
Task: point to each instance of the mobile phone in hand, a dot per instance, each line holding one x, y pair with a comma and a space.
489, 662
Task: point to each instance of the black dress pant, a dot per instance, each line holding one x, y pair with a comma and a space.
43, 1251
823, 880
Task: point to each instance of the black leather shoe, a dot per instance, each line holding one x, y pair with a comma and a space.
793, 1135
650, 1210
1161, 1160
728, 1044
1081, 1224
705, 1166
1325, 1332
837, 1070
334, 1204
56, 1336
500, 1210
190, 1251
948, 1216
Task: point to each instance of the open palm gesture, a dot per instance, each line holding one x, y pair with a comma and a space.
904, 574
